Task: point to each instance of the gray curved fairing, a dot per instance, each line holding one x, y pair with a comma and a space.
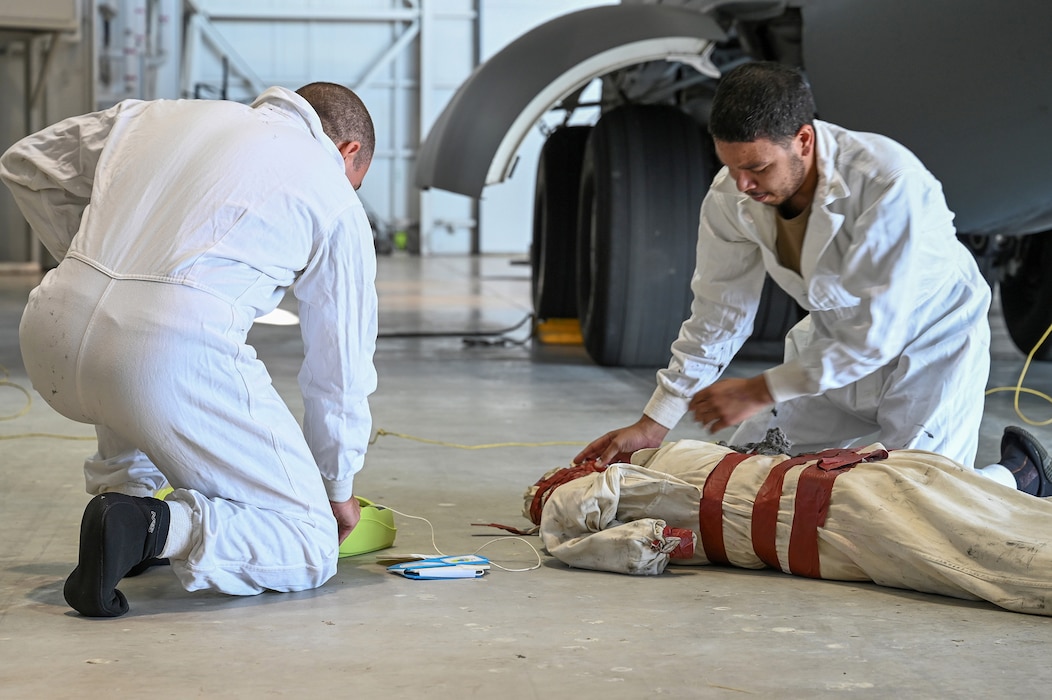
492, 111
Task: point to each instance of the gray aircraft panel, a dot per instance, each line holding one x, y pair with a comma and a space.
965, 84
461, 145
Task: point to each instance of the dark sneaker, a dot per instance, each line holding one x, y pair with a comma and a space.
1028, 461
118, 534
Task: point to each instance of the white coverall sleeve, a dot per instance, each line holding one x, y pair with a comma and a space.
51, 174
579, 527
887, 273
337, 305
727, 283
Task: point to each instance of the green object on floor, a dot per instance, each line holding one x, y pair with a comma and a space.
376, 530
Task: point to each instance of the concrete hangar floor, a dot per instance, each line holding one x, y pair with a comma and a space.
550, 632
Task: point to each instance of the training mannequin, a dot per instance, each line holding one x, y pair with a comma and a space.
906, 519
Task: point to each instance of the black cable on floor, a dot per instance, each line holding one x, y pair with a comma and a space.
469, 336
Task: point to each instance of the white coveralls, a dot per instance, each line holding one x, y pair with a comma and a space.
896, 344
176, 223
913, 520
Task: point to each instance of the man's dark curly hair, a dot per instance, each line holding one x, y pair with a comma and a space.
761, 100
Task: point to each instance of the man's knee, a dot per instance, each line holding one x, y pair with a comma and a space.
312, 549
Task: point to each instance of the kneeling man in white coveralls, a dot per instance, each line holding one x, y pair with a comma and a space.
907, 519
895, 346
175, 224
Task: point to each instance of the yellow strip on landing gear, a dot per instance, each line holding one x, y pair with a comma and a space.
560, 331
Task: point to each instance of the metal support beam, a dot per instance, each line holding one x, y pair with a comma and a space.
41, 82
399, 45
307, 14
424, 89
200, 25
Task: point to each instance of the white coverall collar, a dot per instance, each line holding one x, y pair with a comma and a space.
291, 103
831, 184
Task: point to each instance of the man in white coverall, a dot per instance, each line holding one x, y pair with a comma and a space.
908, 519
857, 231
175, 224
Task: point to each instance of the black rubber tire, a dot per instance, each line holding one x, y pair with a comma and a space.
554, 249
1025, 292
646, 170
644, 175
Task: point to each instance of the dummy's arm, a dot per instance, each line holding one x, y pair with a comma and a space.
579, 527
51, 174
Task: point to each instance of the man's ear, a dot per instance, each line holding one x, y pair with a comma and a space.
349, 149
807, 139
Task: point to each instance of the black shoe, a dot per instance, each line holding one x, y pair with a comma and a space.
1028, 461
117, 534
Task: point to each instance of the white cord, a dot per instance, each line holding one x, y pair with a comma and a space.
501, 539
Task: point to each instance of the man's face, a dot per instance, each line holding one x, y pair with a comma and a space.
766, 171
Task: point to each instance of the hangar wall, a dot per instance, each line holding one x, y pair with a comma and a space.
406, 58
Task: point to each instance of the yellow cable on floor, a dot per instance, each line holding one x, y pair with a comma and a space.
52, 436
404, 436
25, 409
1020, 389
28, 398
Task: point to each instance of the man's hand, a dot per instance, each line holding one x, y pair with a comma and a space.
730, 401
347, 515
618, 445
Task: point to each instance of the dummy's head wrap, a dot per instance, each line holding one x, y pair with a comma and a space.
537, 495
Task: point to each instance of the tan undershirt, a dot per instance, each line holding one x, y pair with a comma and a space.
790, 238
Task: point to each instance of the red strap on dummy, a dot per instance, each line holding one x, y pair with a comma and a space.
685, 548
812, 504
545, 486
765, 508
710, 510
